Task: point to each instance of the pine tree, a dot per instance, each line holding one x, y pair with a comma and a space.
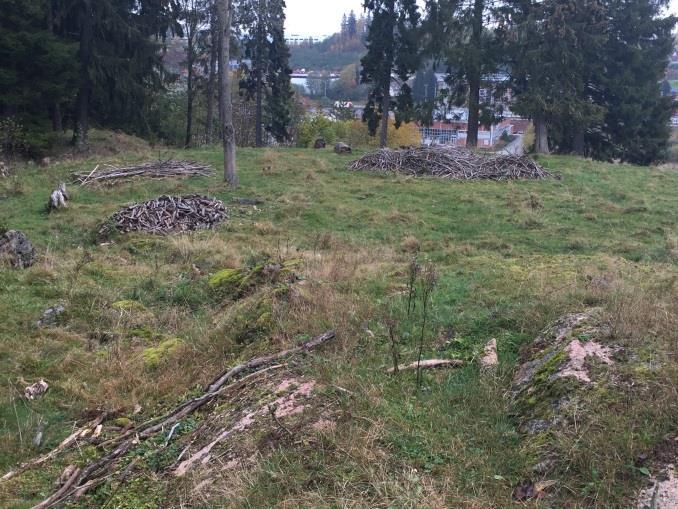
193, 14
269, 76
459, 36
392, 48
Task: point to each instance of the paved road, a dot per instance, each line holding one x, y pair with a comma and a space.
515, 147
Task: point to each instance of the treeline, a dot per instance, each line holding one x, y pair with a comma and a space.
73, 64
343, 48
587, 72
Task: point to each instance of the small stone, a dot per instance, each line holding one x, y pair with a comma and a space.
16, 249
490, 359
36, 390
50, 317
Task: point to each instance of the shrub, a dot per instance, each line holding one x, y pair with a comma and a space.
406, 135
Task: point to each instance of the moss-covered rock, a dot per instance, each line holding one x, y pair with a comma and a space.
129, 305
235, 283
155, 356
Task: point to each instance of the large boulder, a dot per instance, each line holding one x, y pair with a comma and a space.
16, 250
559, 365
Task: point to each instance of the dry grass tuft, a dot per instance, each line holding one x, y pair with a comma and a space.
410, 244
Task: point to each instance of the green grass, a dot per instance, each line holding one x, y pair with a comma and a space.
510, 257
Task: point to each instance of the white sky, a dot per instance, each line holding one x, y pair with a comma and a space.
318, 17
323, 17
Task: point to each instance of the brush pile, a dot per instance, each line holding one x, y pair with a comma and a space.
167, 214
156, 169
450, 163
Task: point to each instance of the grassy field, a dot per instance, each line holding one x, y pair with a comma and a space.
509, 259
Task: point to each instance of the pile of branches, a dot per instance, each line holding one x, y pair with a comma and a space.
75, 482
450, 163
156, 169
167, 214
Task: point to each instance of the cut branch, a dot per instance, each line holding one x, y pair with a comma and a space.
429, 364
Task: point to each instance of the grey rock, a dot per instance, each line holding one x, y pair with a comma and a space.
50, 317
342, 149
16, 249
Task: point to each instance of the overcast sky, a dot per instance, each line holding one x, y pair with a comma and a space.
323, 17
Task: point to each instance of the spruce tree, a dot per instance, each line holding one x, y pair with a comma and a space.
37, 66
267, 80
392, 49
119, 59
555, 58
635, 127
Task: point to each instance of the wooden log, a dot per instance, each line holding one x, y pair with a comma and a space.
429, 364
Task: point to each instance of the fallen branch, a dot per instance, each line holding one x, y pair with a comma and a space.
155, 169
429, 364
57, 495
93, 473
67, 442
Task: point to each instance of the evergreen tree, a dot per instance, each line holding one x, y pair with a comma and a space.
269, 76
37, 66
392, 49
555, 58
119, 59
352, 26
193, 14
459, 37
635, 57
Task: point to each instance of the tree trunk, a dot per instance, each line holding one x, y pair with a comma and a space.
579, 144
189, 92
541, 144
259, 78
81, 130
474, 74
57, 119
214, 55
473, 111
57, 123
225, 104
385, 116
